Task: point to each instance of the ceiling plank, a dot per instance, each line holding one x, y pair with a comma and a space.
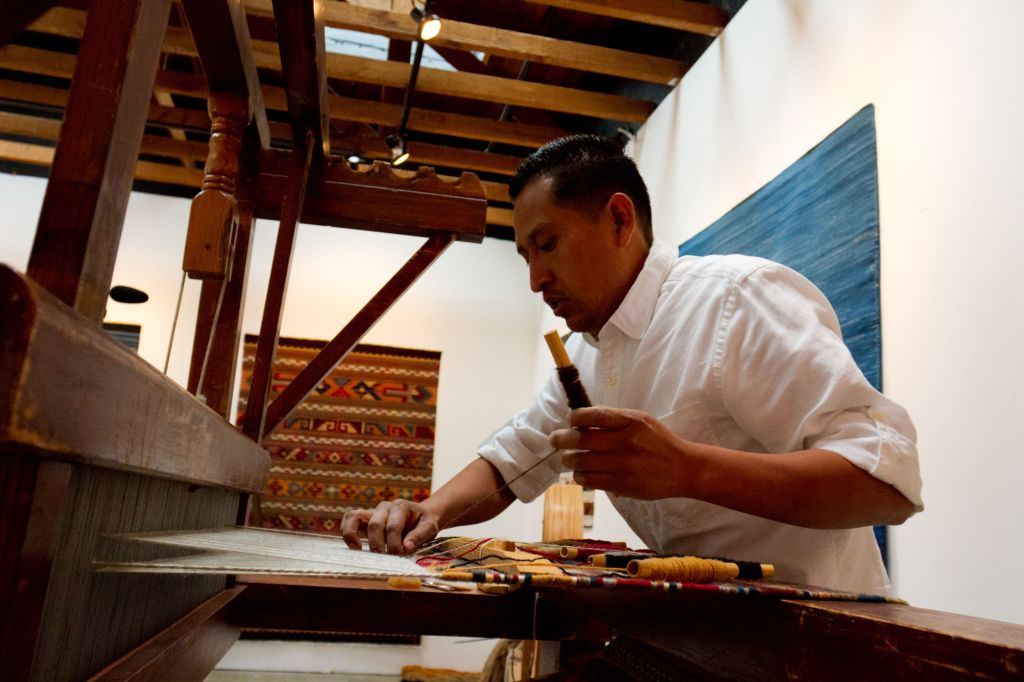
221, 37
499, 216
683, 15
454, 84
165, 117
500, 42
492, 89
423, 153
443, 123
39, 155
42, 62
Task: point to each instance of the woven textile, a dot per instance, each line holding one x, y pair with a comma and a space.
364, 435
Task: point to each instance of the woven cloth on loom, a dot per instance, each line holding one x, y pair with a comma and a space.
366, 434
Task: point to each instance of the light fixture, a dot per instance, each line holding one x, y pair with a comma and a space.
430, 23
399, 149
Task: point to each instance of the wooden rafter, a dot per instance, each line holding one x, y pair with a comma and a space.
371, 71
499, 42
696, 17
42, 62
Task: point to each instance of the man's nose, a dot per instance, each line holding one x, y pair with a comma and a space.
540, 276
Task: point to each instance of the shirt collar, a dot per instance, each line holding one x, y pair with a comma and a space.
634, 314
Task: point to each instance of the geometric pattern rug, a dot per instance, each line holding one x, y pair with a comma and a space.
364, 435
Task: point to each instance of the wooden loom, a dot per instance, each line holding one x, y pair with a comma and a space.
94, 441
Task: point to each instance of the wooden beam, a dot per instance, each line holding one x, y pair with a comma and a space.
292, 205
492, 89
498, 42
363, 321
187, 650
443, 123
49, 129
300, 35
379, 199
90, 179
683, 15
45, 63
499, 216
455, 84
221, 37
38, 155
424, 153
113, 391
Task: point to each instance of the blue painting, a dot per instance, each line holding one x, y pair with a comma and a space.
820, 217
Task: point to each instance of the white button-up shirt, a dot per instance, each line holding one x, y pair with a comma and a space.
741, 353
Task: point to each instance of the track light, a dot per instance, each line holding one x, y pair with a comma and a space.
430, 23
399, 149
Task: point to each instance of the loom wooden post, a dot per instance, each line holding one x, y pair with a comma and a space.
94, 164
213, 219
270, 328
219, 356
73, 257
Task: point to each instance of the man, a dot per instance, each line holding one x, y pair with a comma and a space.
732, 420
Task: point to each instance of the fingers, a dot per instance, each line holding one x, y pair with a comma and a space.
352, 525
424, 530
590, 461
602, 417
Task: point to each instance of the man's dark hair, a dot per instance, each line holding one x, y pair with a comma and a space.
585, 171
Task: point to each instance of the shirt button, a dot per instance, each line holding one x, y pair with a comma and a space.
611, 381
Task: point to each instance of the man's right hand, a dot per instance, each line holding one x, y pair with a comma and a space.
396, 527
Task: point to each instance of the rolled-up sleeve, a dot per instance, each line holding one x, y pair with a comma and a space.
789, 381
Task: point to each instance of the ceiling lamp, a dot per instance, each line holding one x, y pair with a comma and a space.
430, 23
399, 149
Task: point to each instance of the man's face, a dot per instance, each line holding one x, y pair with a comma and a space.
571, 256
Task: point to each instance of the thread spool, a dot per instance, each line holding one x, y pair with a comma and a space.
686, 569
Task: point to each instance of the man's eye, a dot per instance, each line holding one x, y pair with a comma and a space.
549, 245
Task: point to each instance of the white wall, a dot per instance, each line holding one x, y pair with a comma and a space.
949, 109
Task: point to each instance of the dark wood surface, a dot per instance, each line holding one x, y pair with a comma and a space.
697, 635
218, 381
300, 35
343, 342
187, 650
379, 199
78, 395
277, 286
94, 164
300, 603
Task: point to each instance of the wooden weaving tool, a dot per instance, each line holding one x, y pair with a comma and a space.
563, 502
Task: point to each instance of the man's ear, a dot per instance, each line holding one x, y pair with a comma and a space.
623, 215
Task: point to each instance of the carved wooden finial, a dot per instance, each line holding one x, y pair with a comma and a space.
213, 219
